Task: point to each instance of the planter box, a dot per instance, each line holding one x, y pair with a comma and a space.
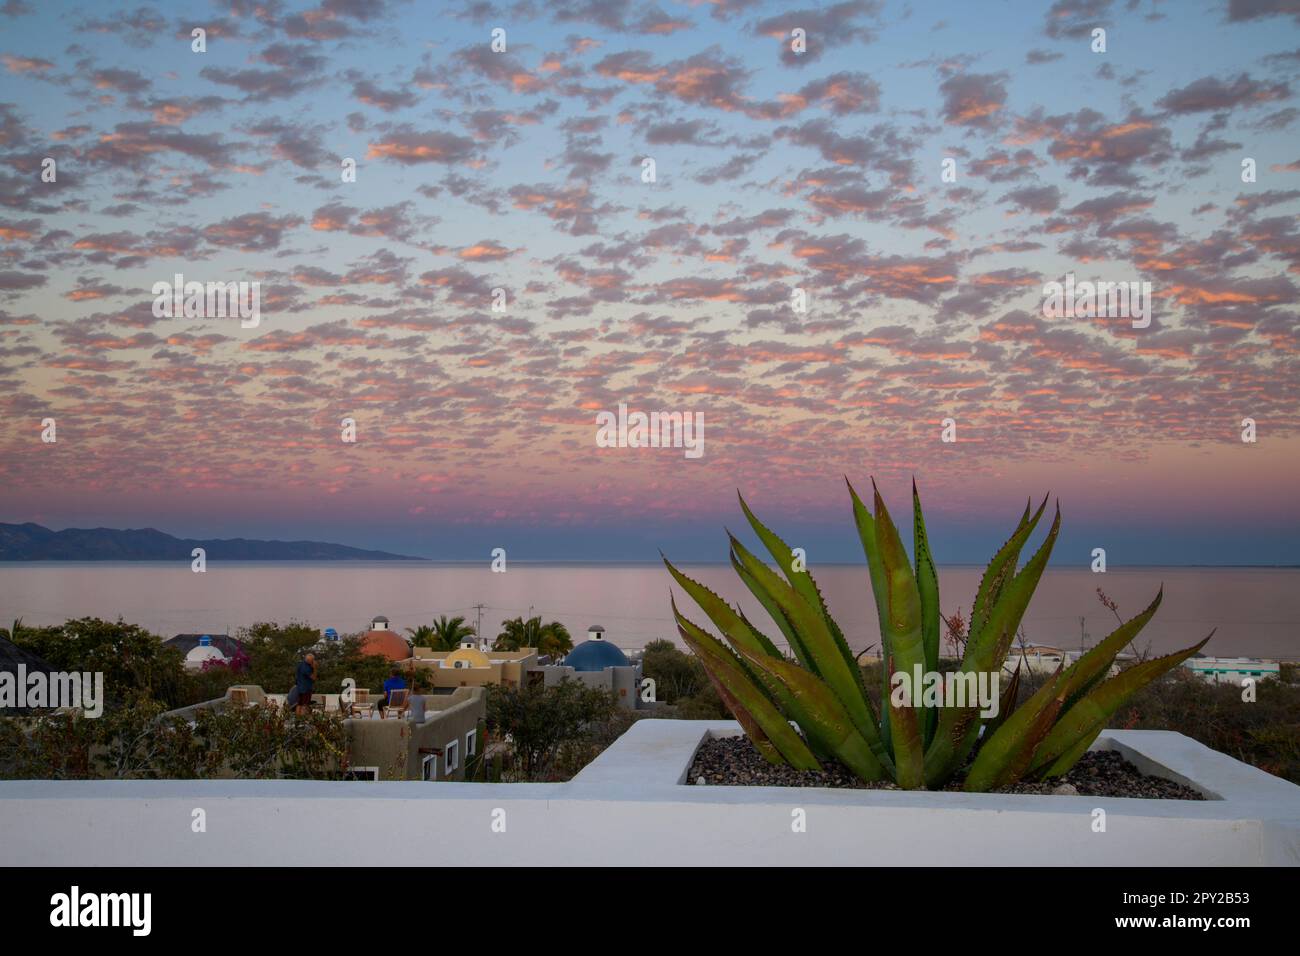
631, 806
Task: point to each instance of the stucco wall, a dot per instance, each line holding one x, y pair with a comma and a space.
394, 745
627, 808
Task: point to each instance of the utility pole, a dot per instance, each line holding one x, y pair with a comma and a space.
478, 627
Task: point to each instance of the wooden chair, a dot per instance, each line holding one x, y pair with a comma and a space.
399, 701
359, 706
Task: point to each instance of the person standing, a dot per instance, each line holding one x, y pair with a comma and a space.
305, 682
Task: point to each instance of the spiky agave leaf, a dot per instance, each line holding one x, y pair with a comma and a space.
816, 638
1008, 752
766, 726
987, 647
774, 611
733, 627
927, 583
866, 526
803, 583
1080, 725
985, 652
902, 616
1002, 567
818, 712
1006, 704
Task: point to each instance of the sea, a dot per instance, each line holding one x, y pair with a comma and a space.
1253, 612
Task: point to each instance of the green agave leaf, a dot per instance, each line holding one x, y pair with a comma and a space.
1006, 755
803, 583
1002, 567
902, 616
866, 526
748, 723
733, 627
987, 648
985, 651
927, 583
774, 611
955, 735
1087, 718
746, 698
1006, 704
839, 675
819, 712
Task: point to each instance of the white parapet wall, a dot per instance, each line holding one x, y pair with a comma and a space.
631, 806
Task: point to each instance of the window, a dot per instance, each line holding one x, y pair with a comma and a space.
471, 740
362, 773
453, 755
429, 767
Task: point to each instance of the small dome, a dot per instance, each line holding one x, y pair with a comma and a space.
385, 643
595, 656
201, 654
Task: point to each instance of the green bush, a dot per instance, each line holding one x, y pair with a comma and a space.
538, 723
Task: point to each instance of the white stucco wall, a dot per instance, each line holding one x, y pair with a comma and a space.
628, 807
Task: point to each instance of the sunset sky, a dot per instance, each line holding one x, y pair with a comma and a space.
522, 170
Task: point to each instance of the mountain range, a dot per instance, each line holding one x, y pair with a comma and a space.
32, 542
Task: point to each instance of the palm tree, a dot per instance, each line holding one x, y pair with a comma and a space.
517, 633
422, 636
450, 632
445, 634
555, 640
550, 639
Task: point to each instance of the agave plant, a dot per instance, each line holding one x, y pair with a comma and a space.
822, 691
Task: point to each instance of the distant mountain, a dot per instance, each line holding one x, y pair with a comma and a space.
31, 542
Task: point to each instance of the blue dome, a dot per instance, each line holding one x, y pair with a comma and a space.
595, 656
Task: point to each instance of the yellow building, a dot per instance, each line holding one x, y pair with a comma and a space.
468, 666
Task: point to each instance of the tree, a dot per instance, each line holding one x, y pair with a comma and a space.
540, 720
131, 659
445, 634
140, 742
676, 675
550, 639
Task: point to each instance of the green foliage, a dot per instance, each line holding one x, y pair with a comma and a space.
676, 675
133, 661
445, 634
550, 639
539, 722
274, 651
824, 692
138, 741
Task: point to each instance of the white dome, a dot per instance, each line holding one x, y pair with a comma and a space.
198, 656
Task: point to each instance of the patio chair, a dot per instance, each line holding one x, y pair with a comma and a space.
399, 701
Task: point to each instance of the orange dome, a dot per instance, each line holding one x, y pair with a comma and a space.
386, 643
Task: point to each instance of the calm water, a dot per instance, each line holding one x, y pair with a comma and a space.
1256, 610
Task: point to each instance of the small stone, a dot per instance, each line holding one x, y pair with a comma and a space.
1065, 790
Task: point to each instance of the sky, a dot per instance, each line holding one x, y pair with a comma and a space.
777, 173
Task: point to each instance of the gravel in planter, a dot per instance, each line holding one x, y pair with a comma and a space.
736, 762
